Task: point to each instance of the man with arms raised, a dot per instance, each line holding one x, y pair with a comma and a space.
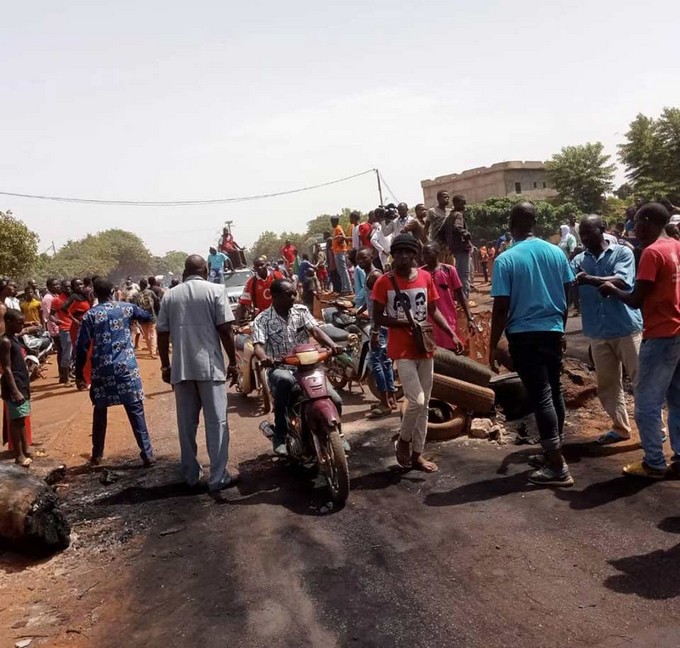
530, 285
195, 316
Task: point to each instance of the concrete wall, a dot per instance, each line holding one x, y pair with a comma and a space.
497, 180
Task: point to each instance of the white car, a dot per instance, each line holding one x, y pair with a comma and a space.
235, 282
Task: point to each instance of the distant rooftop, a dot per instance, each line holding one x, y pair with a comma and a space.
499, 166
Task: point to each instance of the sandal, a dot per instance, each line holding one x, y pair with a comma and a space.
641, 469
27, 461
379, 411
611, 437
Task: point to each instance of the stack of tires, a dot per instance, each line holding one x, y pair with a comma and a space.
462, 388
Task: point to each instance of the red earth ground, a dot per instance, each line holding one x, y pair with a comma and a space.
470, 556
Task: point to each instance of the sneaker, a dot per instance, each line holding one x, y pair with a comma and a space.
280, 450
537, 461
549, 477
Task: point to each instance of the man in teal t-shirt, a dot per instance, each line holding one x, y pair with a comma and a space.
530, 287
217, 261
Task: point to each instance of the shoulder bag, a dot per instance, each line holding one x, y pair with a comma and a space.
422, 332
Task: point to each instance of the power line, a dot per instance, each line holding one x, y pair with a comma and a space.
182, 203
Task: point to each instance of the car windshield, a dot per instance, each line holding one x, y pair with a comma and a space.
237, 279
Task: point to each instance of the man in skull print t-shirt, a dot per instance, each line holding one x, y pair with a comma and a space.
420, 291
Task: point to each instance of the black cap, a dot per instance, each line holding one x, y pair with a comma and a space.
406, 241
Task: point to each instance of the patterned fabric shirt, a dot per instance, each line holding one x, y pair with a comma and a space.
279, 335
115, 374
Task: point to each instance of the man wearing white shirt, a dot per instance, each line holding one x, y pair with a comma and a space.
355, 219
379, 240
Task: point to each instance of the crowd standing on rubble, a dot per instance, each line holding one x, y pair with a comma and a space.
411, 276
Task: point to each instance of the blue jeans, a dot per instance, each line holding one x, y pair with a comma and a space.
341, 267
463, 270
135, 414
283, 385
217, 276
66, 349
380, 365
658, 380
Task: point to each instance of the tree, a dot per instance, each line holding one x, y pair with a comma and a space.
114, 254
582, 175
487, 220
19, 247
172, 261
651, 155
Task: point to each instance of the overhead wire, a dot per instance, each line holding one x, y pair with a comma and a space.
183, 203
382, 179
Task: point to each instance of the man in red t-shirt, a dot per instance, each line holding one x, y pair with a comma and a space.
657, 292
418, 294
365, 230
289, 254
257, 295
63, 321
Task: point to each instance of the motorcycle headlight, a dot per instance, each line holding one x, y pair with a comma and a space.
308, 357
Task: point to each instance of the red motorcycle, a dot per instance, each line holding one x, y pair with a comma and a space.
314, 422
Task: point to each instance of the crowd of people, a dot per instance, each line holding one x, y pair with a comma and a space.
410, 276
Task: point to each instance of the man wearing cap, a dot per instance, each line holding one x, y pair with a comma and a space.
416, 293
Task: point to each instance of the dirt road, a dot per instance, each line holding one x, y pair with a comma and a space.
471, 556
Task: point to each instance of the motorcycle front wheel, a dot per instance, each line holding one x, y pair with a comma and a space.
333, 460
336, 375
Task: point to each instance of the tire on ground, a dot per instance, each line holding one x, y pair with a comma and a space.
511, 396
469, 397
447, 363
454, 427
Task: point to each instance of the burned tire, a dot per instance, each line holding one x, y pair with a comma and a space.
511, 396
454, 426
447, 363
469, 397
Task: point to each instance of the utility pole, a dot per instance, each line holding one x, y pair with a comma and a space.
377, 177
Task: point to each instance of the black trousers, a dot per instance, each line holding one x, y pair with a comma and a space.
537, 358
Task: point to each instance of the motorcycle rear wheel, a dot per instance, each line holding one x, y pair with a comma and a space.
336, 469
336, 375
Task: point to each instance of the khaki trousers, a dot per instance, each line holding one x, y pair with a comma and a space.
149, 333
610, 357
416, 379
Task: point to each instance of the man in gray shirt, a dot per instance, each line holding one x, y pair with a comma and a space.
196, 317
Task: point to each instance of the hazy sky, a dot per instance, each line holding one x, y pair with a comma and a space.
162, 100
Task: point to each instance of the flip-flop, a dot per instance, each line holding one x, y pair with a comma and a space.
25, 463
399, 460
611, 437
379, 412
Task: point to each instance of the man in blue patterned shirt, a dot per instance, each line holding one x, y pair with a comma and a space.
115, 374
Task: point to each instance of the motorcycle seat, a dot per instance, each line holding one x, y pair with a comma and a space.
334, 333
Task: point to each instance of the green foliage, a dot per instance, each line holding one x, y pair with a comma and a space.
614, 210
489, 219
582, 175
170, 262
19, 246
114, 254
651, 155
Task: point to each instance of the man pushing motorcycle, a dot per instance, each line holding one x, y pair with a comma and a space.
276, 331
